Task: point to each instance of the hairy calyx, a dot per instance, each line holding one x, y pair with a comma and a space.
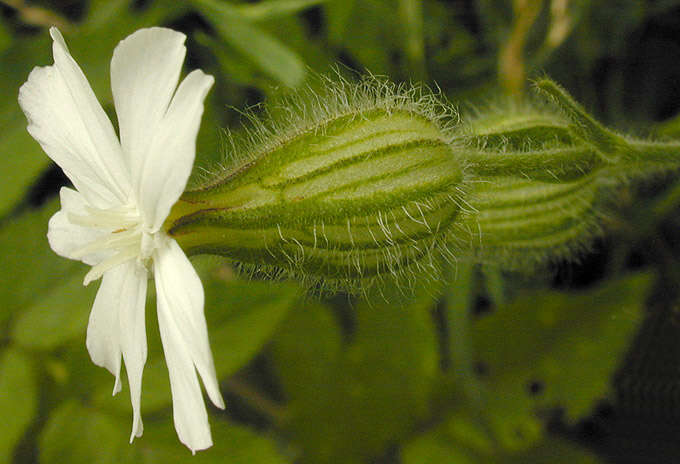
373, 180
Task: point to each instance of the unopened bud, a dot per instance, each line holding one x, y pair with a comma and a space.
363, 192
372, 180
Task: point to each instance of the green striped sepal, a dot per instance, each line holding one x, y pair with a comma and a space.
375, 184
361, 195
518, 223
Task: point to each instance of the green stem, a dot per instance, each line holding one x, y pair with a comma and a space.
458, 302
257, 400
551, 165
667, 153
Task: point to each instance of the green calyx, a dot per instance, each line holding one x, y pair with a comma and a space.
365, 189
371, 181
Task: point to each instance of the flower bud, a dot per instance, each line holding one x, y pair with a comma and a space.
368, 188
515, 126
372, 180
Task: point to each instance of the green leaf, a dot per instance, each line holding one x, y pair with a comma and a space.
566, 345
431, 448
51, 305
23, 160
231, 444
411, 15
78, 434
5, 36
243, 316
270, 54
368, 31
18, 399
369, 394
669, 128
232, 65
272, 9
28, 259
461, 441
554, 451
305, 349
58, 315
338, 14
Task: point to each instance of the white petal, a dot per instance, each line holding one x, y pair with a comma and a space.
133, 339
171, 155
65, 237
65, 117
117, 327
185, 343
145, 70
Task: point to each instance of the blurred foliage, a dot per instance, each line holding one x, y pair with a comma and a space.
501, 368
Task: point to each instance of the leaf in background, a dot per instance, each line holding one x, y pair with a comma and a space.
18, 399
23, 159
565, 347
5, 36
411, 13
56, 316
306, 349
430, 448
458, 59
107, 23
51, 305
338, 13
554, 451
265, 50
28, 259
76, 434
241, 317
350, 405
272, 9
461, 441
494, 283
299, 33
232, 443
670, 128
367, 30
81, 435
234, 68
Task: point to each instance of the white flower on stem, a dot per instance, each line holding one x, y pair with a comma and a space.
124, 192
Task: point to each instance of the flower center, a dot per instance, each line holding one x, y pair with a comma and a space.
124, 237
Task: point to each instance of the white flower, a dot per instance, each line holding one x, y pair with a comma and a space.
124, 192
